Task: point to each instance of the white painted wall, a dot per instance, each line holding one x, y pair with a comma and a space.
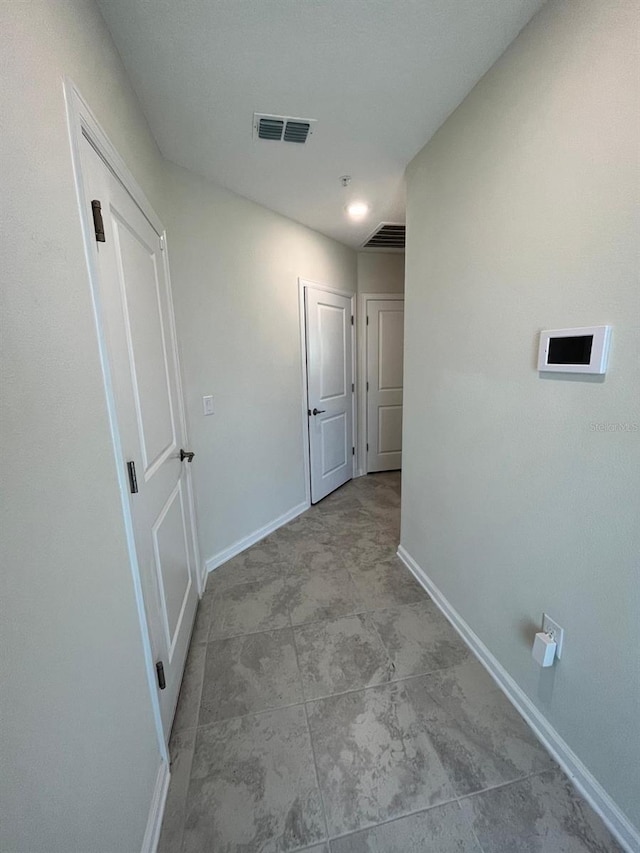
235, 268
380, 272
522, 215
79, 750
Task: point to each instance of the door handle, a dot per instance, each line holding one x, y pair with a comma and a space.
186, 454
318, 411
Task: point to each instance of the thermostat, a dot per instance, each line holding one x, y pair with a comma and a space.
583, 350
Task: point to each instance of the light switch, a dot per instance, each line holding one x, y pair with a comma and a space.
207, 405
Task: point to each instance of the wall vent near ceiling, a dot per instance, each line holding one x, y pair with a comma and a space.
282, 128
388, 237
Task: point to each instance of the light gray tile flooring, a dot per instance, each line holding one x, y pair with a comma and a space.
328, 707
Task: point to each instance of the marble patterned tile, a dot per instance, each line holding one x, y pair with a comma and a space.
250, 607
418, 639
360, 547
323, 557
244, 675
386, 583
202, 623
253, 787
339, 655
442, 829
315, 595
191, 690
481, 739
374, 760
462, 683
246, 568
181, 748
344, 498
543, 814
262, 553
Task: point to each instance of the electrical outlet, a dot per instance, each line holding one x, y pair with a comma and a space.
551, 627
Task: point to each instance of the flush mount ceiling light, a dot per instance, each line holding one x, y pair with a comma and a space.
357, 209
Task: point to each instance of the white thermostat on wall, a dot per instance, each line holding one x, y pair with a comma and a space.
582, 350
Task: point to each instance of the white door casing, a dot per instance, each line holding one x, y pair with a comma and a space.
137, 317
329, 359
384, 377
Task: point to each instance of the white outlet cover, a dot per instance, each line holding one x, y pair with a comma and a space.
549, 626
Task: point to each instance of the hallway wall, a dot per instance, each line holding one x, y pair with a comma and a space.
380, 272
235, 268
520, 493
78, 745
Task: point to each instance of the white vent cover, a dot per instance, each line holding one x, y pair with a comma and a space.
282, 128
388, 237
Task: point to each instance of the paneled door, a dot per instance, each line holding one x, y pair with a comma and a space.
330, 390
136, 316
385, 342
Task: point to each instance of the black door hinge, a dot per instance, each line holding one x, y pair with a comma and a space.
352, 319
367, 321
133, 480
353, 451
160, 672
367, 386
367, 445
98, 224
353, 387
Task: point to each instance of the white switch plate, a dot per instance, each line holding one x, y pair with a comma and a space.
207, 405
551, 627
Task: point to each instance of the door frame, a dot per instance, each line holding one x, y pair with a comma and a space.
363, 298
82, 123
303, 283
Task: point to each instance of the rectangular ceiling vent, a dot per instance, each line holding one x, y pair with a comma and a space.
388, 236
282, 128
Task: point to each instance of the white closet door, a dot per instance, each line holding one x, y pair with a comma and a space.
329, 380
385, 344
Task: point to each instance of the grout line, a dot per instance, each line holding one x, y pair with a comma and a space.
313, 749
393, 819
497, 787
250, 714
304, 701
296, 625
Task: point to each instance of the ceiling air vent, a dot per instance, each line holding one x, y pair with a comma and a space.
282, 128
388, 236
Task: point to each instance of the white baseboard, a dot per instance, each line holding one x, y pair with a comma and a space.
583, 779
156, 812
247, 541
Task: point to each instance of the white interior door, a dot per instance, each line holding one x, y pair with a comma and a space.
330, 390
137, 318
385, 343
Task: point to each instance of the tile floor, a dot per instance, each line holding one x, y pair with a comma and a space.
327, 705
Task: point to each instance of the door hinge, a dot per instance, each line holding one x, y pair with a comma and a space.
352, 319
98, 225
133, 480
161, 243
353, 387
353, 451
160, 673
367, 447
367, 386
367, 321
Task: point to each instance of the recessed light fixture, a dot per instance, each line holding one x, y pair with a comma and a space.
357, 209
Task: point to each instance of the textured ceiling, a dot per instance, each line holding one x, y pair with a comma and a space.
380, 76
